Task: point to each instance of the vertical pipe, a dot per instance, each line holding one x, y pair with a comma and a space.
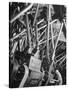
36, 15
52, 36
28, 31
48, 17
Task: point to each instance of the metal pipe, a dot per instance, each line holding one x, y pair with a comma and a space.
21, 13
28, 30
42, 33
60, 59
36, 15
57, 42
40, 21
25, 76
18, 35
40, 42
47, 25
22, 22
49, 17
52, 36
14, 47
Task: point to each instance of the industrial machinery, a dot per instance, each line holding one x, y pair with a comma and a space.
37, 45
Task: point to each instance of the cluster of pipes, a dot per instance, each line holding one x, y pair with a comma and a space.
35, 42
